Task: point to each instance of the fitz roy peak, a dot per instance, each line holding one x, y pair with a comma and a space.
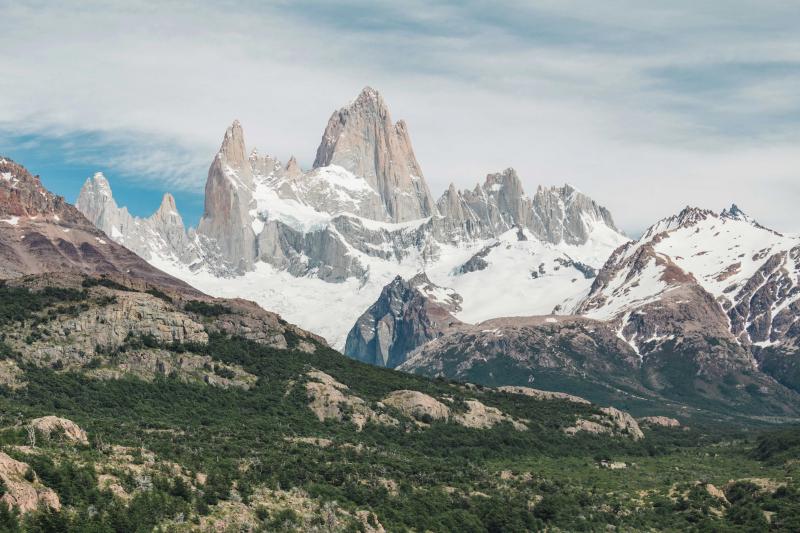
362, 139
335, 235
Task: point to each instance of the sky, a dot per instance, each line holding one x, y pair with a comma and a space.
645, 106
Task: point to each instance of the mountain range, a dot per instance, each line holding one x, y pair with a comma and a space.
489, 284
134, 401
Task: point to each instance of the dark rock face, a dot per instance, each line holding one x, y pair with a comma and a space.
477, 261
403, 318
587, 271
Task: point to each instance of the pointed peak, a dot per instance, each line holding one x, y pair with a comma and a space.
234, 131
368, 100
167, 212
398, 281
292, 168
99, 180
99, 184
693, 214
167, 201
233, 145
734, 213
688, 216
420, 280
368, 93
501, 180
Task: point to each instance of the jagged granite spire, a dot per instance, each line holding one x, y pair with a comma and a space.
362, 139
162, 236
226, 222
564, 214
554, 214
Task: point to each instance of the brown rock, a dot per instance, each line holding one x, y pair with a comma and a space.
25, 495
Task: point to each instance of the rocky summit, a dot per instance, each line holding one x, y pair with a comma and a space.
362, 139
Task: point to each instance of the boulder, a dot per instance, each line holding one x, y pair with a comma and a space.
482, 416
417, 405
53, 426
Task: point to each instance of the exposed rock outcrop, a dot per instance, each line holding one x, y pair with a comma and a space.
330, 400
54, 427
21, 493
663, 421
542, 394
115, 327
482, 416
425, 409
418, 405
611, 421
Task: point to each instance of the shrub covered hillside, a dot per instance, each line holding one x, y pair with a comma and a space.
130, 409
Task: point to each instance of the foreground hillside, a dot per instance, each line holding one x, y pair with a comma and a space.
225, 433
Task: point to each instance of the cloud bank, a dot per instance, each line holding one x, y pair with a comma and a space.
645, 107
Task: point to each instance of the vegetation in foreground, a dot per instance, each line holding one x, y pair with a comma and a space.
171, 455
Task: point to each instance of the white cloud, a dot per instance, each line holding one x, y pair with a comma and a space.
645, 108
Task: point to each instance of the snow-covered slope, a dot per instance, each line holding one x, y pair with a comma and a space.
752, 272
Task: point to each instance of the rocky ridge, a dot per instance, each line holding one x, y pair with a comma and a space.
40, 232
162, 236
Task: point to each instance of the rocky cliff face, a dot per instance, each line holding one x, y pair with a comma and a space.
226, 224
407, 314
109, 327
362, 139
